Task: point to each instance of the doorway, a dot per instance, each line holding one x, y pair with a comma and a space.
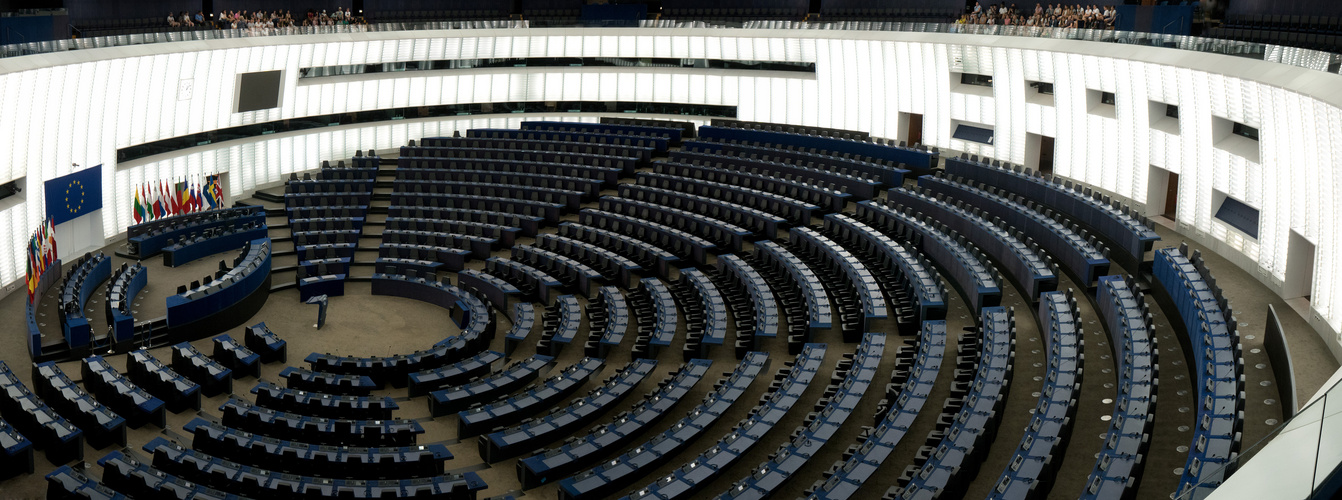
1039, 153
1162, 193
1171, 196
1299, 267
1045, 155
911, 128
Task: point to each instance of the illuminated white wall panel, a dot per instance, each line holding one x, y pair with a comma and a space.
80, 107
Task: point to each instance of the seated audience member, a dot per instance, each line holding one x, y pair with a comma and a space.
172, 21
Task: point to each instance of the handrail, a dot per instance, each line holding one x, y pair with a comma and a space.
1294, 56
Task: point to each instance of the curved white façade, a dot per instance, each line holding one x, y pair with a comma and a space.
81, 106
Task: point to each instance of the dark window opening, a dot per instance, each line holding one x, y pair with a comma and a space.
1246, 131
1042, 87
8, 189
1107, 98
973, 79
1172, 111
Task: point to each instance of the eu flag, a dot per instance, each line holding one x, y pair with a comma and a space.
74, 195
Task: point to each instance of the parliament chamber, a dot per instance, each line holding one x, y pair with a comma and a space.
499, 257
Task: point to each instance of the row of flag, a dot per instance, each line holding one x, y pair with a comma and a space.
41, 254
159, 199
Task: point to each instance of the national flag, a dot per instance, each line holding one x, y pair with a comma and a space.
49, 243
207, 191
197, 198
159, 209
168, 207
136, 208
51, 229
214, 193
33, 273
182, 197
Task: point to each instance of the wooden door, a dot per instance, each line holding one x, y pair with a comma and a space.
1172, 196
915, 128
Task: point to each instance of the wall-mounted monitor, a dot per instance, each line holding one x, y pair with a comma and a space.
260, 90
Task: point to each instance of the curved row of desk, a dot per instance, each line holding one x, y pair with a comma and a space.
320, 404
607, 175
29, 414
659, 137
870, 298
828, 200
792, 210
569, 200
215, 240
224, 474
526, 224
243, 415
297, 457
1033, 270
553, 426
426, 381
623, 164
1119, 224
973, 412
125, 398
1119, 466
148, 238
1077, 254
558, 327
707, 323
643, 253
622, 471
89, 272
764, 319
495, 386
121, 292
102, 427
966, 266
725, 236
655, 144
661, 315
249, 272
817, 429
612, 267
550, 464
507, 411
756, 221
819, 315
709, 465
1036, 460
859, 185
886, 175
911, 269
888, 153
1217, 357
576, 277
608, 321
549, 212
643, 153
914, 386
674, 241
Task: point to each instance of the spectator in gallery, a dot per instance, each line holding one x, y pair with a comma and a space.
172, 21
200, 17
186, 19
